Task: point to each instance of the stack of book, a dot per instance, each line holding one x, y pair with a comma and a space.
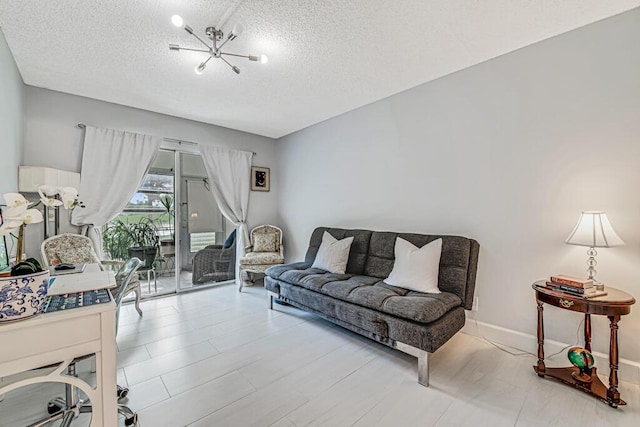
584, 288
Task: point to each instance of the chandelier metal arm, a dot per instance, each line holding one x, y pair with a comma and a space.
195, 50
199, 39
207, 60
235, 54
233, 67
225, 42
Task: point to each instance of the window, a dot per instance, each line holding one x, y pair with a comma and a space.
200, 240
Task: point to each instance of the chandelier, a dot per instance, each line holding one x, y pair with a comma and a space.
214, 50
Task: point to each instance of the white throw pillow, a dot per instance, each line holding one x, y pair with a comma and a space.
416, 268
333, 254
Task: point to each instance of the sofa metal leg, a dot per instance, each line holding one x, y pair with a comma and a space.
423, 369
270, 297
423, 360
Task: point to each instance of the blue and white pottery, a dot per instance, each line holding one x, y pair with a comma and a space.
22, 296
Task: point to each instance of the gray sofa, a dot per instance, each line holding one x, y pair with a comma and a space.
413, 322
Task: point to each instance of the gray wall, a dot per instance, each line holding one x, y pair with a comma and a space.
52, 139
11, 119
508, 152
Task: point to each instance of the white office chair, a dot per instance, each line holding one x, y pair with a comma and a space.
68, 408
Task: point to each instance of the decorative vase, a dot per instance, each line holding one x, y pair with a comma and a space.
22, 296
583, 360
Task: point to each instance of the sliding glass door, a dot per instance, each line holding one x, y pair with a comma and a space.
202, 226
173, 221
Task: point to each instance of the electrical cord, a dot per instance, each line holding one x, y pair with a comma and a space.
569, 346
526, 353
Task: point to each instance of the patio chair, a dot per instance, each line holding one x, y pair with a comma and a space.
215, 262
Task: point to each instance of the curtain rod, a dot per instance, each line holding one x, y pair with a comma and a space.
179, 141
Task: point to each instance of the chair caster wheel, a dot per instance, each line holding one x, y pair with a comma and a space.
53, 408
122, 392
131, 421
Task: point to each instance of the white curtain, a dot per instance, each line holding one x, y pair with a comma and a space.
114, 163
229, 172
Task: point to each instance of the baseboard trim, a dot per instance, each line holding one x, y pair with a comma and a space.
628, 369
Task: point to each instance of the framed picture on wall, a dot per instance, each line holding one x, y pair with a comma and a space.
260, 178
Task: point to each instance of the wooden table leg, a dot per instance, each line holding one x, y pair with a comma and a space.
587, 332
613, 395
540, 367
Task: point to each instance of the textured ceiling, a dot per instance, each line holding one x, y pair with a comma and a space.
325, 56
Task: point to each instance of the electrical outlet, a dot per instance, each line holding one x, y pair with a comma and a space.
476, 302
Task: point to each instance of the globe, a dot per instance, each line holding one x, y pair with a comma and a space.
582, 359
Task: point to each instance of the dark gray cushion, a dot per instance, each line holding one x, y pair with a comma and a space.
277, 270
372, 254
230, 239
370, 292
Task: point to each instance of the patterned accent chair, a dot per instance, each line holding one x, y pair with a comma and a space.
77, 249
266, 250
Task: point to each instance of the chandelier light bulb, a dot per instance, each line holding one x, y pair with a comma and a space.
177, 21
236, 31
200, 68
264, 59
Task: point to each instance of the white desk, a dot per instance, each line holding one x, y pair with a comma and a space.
58, 338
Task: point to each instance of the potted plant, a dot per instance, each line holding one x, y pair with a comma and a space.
126, 240
145, 238
117, 240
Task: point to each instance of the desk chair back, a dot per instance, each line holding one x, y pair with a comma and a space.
70, 248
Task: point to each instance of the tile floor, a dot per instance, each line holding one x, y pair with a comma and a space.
217, 357
166, 284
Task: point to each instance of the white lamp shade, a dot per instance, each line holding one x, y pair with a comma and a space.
31, 177
594, 230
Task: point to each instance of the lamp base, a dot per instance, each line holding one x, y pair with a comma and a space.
591, 262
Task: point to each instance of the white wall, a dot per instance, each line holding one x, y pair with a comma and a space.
52, 139
508, 152
11, 119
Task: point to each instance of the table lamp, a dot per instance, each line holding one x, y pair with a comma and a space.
595, 231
